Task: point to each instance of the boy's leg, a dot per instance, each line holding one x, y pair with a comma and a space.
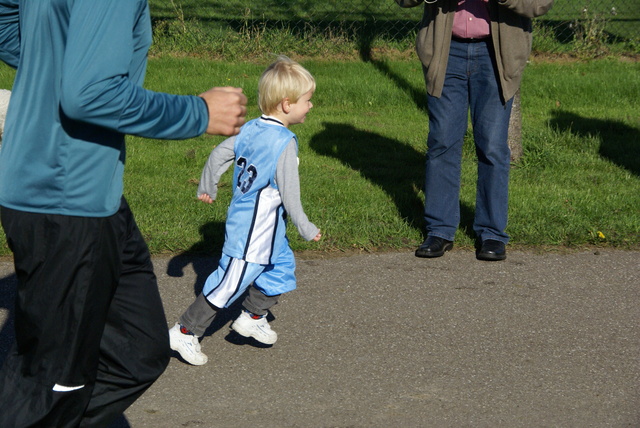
259, 303
191, 325
268, 286
183, 336
134, 350
252, 321
222, 287
223, 284
198, 316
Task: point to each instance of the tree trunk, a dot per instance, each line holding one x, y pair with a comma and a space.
515, 129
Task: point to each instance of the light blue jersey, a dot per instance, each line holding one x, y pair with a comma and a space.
255, 229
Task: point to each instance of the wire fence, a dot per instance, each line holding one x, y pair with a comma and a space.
595, 21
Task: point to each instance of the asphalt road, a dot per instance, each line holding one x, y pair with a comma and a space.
390, 340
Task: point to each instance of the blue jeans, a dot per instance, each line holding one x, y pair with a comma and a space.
471, 83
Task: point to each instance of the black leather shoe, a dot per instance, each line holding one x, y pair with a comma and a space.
492, 250
433, 246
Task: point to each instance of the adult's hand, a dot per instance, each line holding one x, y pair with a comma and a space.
227, 109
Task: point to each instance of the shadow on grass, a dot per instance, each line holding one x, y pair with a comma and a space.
395, 167
619, 142
418, 94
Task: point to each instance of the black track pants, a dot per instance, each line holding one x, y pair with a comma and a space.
91, 334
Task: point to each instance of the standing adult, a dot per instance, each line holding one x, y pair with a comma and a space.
473, 53
91, 334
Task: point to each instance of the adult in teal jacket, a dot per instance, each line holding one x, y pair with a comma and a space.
91, 334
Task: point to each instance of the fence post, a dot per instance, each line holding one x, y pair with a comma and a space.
515, 129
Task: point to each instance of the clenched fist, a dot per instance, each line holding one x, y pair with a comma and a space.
227, 109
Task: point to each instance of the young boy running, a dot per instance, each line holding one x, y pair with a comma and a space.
266, 190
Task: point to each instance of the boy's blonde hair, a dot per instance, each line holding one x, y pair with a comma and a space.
285, 78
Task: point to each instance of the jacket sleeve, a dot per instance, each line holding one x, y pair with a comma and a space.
527, 8
9, 32
219, 161
99, 86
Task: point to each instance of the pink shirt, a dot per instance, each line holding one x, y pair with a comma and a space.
471, 20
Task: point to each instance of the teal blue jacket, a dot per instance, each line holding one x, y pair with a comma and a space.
77, 92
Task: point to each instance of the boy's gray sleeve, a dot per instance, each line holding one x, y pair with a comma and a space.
219, 161
288, 182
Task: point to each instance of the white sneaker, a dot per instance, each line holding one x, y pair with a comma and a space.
259, 328
187, 345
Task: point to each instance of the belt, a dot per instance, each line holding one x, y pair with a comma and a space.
469, 40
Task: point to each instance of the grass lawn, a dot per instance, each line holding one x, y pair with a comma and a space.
362, 153
240, 29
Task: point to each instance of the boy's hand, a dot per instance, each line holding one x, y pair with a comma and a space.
318, 236
227, 109
205, 198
